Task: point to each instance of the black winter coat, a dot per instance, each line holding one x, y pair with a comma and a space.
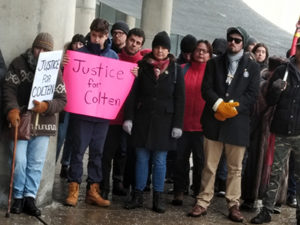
156, 106
286, 120
243, 89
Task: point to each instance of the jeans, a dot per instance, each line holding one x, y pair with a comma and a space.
61, 136
29, 163
159, 159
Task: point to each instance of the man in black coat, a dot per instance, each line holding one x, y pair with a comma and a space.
230, 87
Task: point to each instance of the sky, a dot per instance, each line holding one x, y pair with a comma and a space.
283, 13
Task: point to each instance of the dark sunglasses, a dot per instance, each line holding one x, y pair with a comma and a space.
236, 40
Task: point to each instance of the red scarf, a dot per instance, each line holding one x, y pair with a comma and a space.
123, 55
159, 66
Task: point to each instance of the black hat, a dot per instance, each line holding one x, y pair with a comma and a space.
188, 43
120, 26
240, 31
162, 39
78, 38
219, 46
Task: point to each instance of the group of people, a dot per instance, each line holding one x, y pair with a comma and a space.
211, 101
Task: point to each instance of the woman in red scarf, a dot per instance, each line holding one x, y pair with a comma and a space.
192, 138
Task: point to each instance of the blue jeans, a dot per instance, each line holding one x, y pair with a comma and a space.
159, 159
29, 163
61, 135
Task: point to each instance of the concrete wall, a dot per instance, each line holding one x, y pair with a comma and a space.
20, 22
85, 14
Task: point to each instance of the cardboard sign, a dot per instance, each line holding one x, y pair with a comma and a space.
96, 86
45, 77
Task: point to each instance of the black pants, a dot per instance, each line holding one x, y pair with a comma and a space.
189, 142
114, 149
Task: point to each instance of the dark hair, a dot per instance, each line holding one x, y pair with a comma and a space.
208, 45
137, 32
261, 45
99, 25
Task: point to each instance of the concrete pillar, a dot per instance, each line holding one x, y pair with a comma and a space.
130, 20
20, 22
156, 17
85, 13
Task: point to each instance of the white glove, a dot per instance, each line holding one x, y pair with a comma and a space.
127, 126
176, 132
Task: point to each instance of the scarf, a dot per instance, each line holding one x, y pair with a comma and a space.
233, 65
159, 66
130, 58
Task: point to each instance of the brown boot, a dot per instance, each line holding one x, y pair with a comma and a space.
93, 196
73, 194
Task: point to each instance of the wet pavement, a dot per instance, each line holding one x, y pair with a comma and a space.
84, 214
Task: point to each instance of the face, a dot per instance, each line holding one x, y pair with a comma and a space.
234, 43
77, 45
37, 51
160, 52
250, 47
98, 37
133, 44
119, 38
187, 56
260, 54
201, 53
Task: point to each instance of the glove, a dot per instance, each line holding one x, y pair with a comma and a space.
176, 133
219, 116
40, 107
127, 126
227, 109
279, 84
13, 117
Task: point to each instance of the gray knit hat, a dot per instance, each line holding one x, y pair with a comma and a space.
43, 40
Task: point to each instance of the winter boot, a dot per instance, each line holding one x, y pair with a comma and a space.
158, 202
30, 208
73, 194
93, 197
263, 217
136, 201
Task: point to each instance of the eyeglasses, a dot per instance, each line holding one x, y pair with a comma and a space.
236, 40
204, 51
117, 33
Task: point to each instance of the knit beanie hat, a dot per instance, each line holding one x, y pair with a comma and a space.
188, 43
240, 31
219, 46
162, 39
120, 26
78, 38
43, 40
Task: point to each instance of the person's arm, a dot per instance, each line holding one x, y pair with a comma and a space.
295, 39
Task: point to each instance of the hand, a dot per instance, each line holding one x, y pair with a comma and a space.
40, 107
227, 109
279, 84
13, 117
219, 116
135, 71
127, 126
176, 133
65, 60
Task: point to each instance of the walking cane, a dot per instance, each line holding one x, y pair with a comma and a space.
12, 172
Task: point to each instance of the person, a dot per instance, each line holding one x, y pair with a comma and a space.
2, 75
30, 154
154, 117
250, 44
78, 41
261, 54
230, 87
192, 137
87, 131
119, 33
283, 92
115, 146
219, 46
187, 45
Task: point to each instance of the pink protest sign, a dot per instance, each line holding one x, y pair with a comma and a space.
96, 86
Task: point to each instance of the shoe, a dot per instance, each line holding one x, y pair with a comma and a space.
158, 204
247, 206
235, 214
262, 217
147, 188
178, 199
30, 208
277, 208
72, 194
17, 207
136, 201
221, 188
64, 171
118, 189
197, 211
94, 198
292, 201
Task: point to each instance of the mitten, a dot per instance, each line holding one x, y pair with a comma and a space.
227, 109
127, 126
176, 132
13, 117
40, 107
